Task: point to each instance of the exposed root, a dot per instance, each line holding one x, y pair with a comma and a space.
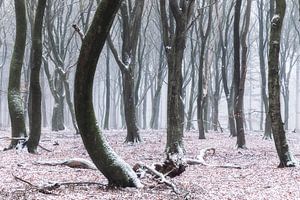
151, 170
73, 163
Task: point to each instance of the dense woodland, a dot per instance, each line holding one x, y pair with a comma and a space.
173, 66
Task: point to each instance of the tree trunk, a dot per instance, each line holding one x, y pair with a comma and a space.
15, 104
107, 85
131, 25
58, 121
240, 74
174, 39
35, 88
106, 160
133, 135
285, 157
157, 94
202, 90
262, 66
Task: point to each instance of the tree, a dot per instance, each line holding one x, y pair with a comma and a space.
16, 111
35, 88
107, 161
262, 49
202, 91
285, 157
107, 85
174, 39
58, 17
240, 68
131, 25
228, 90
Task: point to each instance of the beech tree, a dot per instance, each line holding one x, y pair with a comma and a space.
240, 68
174, 30
106, 160
285, 157
131, 25
15, 104
35, 88
203, 34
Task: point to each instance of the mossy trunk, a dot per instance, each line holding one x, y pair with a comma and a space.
15, 104
35, 88
117, 171
285, 157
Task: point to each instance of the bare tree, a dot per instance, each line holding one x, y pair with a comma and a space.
262, 64
174, 38
285, 157
131, 24
202, 82
15, 105
107, 161
35, 88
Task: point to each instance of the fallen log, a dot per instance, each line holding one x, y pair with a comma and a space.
200, 160
73, 163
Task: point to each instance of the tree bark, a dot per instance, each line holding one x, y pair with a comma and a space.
15, 104
106, 160
35, 88
202, 95
285, 157
174, 39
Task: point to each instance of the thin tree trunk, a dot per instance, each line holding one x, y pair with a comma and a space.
35, 88
107, 85
285, 157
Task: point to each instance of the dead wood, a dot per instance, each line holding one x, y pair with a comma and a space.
161, 177
48, 187
73, 163
171, 167
200, 159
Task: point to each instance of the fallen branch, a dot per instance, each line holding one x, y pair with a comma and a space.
44, 148
200, 160
73, 163
46, 188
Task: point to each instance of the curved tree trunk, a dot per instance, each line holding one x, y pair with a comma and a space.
285, 157
35, 88
117, 171
15, 106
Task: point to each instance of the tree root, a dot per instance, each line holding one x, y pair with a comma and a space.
73, 163
143, 168
174, 167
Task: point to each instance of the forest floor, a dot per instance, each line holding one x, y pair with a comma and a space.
259, 177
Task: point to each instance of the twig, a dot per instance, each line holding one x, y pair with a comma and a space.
22, 180
78, 30
44, 148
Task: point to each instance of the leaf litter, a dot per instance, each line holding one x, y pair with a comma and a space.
258, 179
